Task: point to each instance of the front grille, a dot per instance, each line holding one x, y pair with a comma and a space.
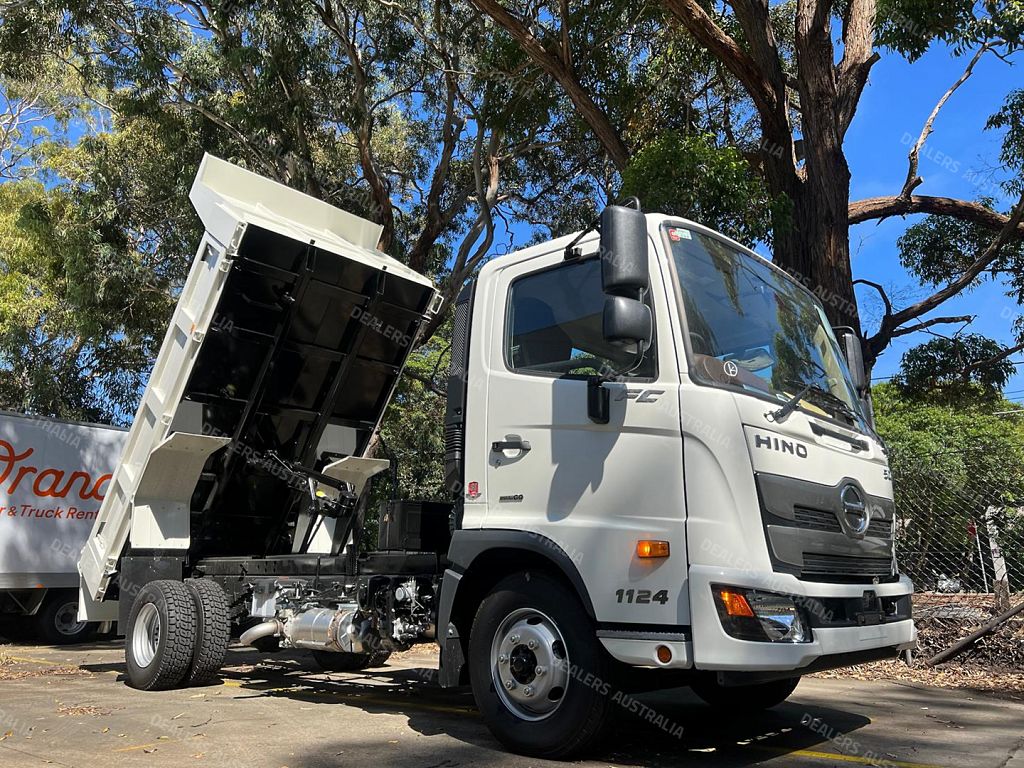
826, 521
841, 566
880, 528
816, 519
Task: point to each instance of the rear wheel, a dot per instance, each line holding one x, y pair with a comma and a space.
539, 676
161, 638
745, 698
213, 630
56, 621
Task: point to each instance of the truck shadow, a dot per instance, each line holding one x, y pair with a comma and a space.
657, 729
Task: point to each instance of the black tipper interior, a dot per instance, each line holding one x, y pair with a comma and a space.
303, 341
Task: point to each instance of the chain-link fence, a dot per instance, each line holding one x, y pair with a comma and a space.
960, 537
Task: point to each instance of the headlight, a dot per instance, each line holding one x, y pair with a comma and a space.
749, 614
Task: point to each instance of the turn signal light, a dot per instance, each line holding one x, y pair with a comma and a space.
735, 604
649, 549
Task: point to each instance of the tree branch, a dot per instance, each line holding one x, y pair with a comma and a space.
913, 180
858, 58
929, 323
606, 133
979, 364
883, 207
894, 320
722, 46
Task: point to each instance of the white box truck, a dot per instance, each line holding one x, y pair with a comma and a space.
662, 467
53, 476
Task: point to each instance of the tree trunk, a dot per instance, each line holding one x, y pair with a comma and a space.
811, 239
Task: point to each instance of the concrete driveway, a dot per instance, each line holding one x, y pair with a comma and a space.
70, 707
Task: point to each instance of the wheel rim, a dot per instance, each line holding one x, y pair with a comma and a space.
66, 620
146, 635
530, 664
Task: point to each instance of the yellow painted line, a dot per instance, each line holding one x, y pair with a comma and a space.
29, 660
137, 747
841, 758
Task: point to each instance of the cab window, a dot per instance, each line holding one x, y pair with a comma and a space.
554, 325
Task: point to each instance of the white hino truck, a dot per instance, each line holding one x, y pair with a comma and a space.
662, 466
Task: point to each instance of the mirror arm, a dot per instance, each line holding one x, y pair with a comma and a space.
598, 396
572, 251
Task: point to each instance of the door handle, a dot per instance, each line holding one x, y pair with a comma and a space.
514, 444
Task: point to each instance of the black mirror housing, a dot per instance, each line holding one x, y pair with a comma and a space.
624, 246
627, 322
854, 354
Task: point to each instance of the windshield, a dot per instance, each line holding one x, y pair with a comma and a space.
753, 328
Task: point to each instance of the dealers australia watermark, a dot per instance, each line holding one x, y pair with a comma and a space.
629, 703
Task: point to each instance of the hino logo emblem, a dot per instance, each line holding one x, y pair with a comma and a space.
730, 368
858, 516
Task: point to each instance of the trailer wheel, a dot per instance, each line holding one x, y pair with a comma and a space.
57, 622
539, 675
349, 662
744, 698
161, 638
213, 630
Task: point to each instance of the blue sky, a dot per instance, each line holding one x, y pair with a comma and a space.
896, 104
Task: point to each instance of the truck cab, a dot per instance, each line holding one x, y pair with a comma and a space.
730, 513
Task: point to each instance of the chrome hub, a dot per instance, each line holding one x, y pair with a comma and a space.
529, 664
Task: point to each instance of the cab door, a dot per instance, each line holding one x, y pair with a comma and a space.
593, 490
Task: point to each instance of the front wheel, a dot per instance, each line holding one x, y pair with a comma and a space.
539, 675
745, 698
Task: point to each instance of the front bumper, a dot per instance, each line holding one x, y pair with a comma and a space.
714, 649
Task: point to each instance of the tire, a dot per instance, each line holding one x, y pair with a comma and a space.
56, 622
349, 662
560, 712
161, 638
213, 631
745, 698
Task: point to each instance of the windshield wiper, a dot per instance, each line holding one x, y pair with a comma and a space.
780, 415
830, 399
835, 401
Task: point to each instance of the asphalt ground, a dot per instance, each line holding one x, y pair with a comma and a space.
70, 707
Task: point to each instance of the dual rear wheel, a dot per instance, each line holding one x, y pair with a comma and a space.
178, 634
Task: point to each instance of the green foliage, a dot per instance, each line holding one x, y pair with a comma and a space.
949, 370
1010, 118
909, 27
412, 433
688, 175
952, 466
79, 309
959, 441
937, 249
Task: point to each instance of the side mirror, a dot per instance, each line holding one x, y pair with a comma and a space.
624, 252
627, 323
854, 353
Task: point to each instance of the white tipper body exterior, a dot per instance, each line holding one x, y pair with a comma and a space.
676, 462
148, 503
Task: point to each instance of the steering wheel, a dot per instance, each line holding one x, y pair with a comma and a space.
694, 336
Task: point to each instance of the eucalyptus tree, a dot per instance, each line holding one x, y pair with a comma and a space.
801, 68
